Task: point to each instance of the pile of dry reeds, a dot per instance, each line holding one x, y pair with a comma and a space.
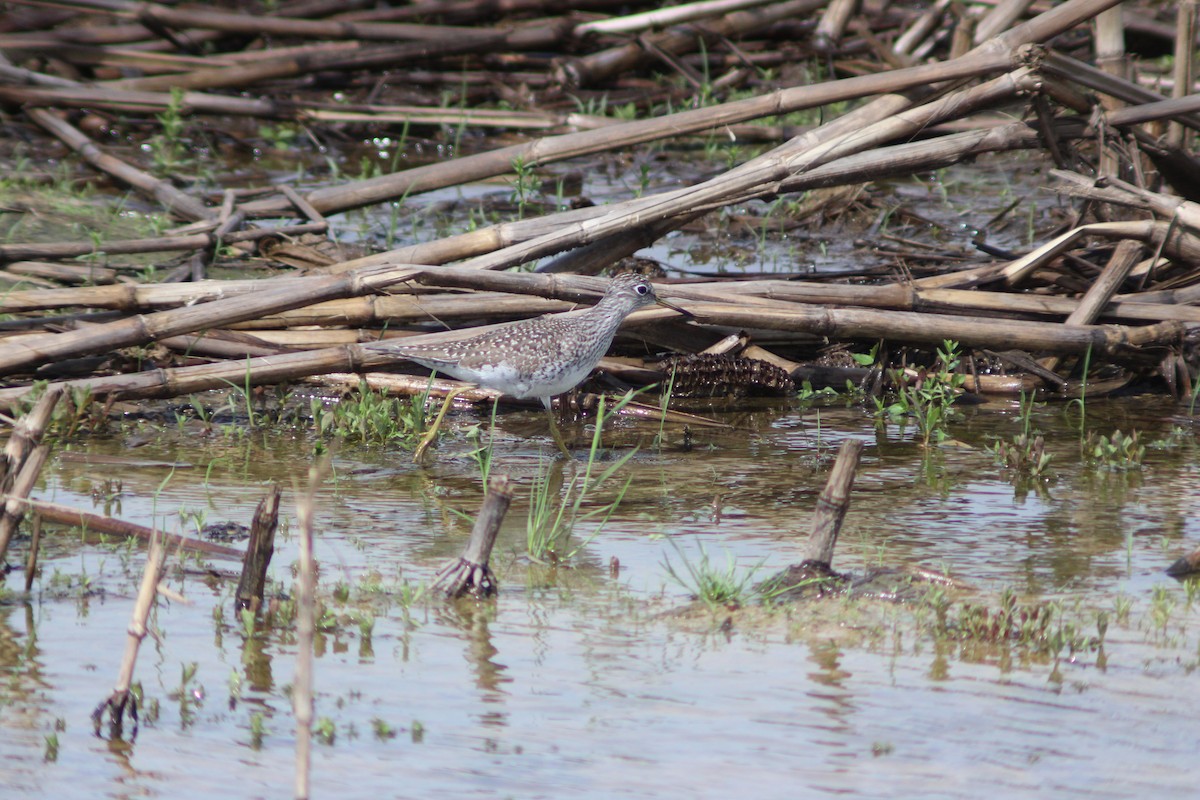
1118, 280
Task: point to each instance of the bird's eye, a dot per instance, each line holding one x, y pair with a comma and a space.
642, 288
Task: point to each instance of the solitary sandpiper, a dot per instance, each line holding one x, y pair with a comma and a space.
544, 356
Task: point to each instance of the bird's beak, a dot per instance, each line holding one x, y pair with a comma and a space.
674, 307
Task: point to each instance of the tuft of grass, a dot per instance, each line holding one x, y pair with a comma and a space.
371, 417
716, 586
554, 512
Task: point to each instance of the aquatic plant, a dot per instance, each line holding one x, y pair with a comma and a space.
1025, 453
554, 512
1117, 452
716, 586
928, 398
373, 417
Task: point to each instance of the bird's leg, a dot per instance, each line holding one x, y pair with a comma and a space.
554, 432
427, 440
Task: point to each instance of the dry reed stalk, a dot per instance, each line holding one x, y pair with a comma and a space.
172, 199
1070, 69
121, 700
22, 251
48, 348
136, 297
662, 17
473, 118
1184, 67
832, 504
408, 385
316, 59
259, 549
27, 434
64, 273
593, 68
833, 23
470, 573
1123, 259
1000, 18
154, 16
548, 150
306, 615
82, 96
96, 523
1112, 341
15, 499
407, 309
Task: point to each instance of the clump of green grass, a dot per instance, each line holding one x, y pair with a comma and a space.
728, 586
554, 512
370, 417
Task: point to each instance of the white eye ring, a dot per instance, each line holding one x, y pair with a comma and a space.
642, 288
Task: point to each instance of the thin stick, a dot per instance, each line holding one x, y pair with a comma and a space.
89, 522
35, 540
121, 700
302, 698
162, 191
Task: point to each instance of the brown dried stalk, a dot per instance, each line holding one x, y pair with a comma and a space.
122, 701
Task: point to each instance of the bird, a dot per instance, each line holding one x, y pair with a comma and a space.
543, 356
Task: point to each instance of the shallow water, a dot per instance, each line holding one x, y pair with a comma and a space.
592, 683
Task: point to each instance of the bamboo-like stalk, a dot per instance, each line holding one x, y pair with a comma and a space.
1123, 259
171, 198
1184, 66
96, 523
22, 251
76, 96
832, 504
549, 150
315, 60
15, 498
27, 434
662, 17
35, 540
121, 700
47, 348
153, 14
64, 273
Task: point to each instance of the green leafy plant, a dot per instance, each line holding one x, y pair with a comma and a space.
372, 417
927, 399
1026, 452
1117, 452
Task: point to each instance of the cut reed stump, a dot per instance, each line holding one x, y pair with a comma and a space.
832, 505
469, 573
121, 700
259, 550
816, 570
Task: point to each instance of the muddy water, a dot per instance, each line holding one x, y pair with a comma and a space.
585, 681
